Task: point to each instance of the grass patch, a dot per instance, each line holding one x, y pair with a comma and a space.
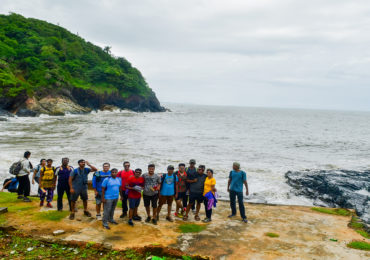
20, 208
270, 234
359, 245
8, 198
52, 215
191, 228
340, 212
358, 227
2, 220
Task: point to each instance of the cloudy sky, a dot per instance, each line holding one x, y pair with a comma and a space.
281, 53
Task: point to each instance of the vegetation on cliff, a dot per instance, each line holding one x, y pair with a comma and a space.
40, 57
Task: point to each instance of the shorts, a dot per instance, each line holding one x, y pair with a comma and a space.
181, 195
150, 199
98, 198
165, 200
79, 193
134, 203
196, 197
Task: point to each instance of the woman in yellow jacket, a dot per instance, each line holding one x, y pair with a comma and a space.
209, 195
47, 183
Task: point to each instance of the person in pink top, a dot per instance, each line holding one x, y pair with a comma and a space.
124, 175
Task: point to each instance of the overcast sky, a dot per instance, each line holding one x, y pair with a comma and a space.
281, 53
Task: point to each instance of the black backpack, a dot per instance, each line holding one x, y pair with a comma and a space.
16, 168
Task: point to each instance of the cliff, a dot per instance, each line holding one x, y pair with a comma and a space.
46, 69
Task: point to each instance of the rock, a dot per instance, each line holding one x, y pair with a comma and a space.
24, 112
5, 113
58, 232
3, 210
334, 188
107, 245
109, 108
3, 119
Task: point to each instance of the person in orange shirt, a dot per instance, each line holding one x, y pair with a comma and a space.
209, 195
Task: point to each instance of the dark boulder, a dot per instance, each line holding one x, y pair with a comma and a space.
334, 188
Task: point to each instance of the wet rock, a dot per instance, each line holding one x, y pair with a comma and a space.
107, 245
58, 232
24, 112
3, 210
3, 119
334, 188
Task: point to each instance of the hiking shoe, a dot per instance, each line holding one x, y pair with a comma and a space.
147, 220
20, 197
41, 203
206, 220
98, 217
106, 227
197, 218
25, 199
130, 222
113, 222
179, 215
49, 205
123, 215
230, 216
168, 218
87, 214
72, 216
136, 218
154, 221
245, 220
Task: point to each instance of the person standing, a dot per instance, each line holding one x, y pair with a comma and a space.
181, 199
209, 195
24, 187
135, 185
63, 172
189, 171
36, 174
78, 186
124, 175
235, 188
97, 182
47, 183
110, 194
196, 191
152, 184
168, 191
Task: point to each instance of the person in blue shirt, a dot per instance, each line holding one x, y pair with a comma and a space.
168, 191
11, 185
78, 186
63, 172
110, 192
97, 181
235, 188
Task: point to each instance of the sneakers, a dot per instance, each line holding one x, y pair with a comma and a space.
106, 227
25, 199
20, 197
179, 215
206, 220
114, 222
230, 216
49, 205
147, 220
168, 218
245, 220
41, 203
136, 218
98, 217
130, 222
123, 215
154, 221
72, 216
87, 214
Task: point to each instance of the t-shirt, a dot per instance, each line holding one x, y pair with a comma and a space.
191, 170
79, 178
182, 184
38, 169
13, 185
237, 180
151, 181
48, 177
168, 185
124, 177
63, 174
98, 179
112, 187
132, 181
209, 182
197, 187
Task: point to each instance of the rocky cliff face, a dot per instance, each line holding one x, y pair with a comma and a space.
76, 101
334, 188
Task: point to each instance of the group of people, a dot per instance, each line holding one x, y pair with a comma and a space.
189, 187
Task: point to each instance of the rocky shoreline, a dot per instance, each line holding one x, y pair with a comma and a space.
334, 188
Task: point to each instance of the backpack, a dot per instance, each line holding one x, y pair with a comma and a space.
16, 168
6, 180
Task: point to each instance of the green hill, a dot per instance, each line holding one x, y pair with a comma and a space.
39, 59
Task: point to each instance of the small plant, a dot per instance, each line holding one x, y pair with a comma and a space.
340, 212
270, 234
358, 227
361, 245
191, 228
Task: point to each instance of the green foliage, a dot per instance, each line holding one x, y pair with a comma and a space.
36, 55
358, 227
270, 234
341, 212
51, 215
362, 245
191, 228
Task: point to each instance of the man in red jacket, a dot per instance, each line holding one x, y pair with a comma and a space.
124, 175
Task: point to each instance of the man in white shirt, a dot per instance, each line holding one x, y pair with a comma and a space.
23, 179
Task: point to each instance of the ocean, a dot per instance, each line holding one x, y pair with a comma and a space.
267, 142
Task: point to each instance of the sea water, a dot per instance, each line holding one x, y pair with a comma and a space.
266, 141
